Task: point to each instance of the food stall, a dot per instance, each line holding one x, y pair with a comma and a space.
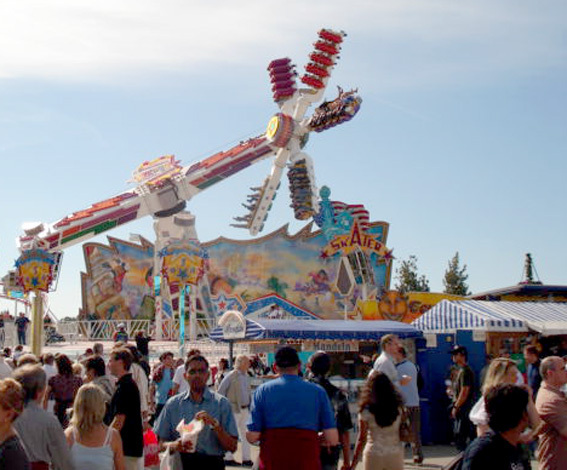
351, 343
486, 329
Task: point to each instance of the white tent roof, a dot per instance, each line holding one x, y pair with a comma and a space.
547, 318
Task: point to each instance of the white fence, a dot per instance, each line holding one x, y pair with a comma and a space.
103, 330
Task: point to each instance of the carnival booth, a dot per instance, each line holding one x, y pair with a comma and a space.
486, 329
351, 344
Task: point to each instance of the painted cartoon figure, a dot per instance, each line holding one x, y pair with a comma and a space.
393, 306
118, 269
318, 284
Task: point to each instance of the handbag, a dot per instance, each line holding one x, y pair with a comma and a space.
406, 434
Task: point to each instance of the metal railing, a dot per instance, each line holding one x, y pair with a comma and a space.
104, 330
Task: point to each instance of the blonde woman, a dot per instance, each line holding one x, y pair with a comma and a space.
12, 454
500, 371
93, 445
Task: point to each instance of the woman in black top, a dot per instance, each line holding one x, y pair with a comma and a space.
142, 343
12, 454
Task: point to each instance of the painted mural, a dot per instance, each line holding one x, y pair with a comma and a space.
394, 305
292, 267
279, 275
118, 284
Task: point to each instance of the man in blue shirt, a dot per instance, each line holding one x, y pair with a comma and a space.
531, 356
286, 416
121, 336
162, 383
21, 327
219, 434
410, 394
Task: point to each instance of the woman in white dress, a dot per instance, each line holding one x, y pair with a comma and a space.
94, 446
378, 440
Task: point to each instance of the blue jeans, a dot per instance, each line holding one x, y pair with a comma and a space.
22, 337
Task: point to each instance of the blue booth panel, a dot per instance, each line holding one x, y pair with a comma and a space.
435, 364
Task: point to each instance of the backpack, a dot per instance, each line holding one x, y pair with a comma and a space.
420, 379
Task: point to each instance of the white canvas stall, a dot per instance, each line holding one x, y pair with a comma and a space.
449, 316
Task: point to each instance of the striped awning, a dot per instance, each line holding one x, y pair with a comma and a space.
325, 330
547, 318
253, 331
450, 315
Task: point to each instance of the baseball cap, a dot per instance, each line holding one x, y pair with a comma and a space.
458, 350
320, 363
287, 357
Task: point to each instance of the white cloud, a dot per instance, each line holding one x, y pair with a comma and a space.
405, 40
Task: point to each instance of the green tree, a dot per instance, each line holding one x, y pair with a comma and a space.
277, 287
408, 278
456, 277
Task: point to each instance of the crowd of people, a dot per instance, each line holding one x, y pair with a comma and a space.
516, 418
115, 411
98, 412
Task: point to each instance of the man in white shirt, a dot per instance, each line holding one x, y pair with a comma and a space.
390, 345
50, 371
141, 379
236, 387
180, 385
48, 366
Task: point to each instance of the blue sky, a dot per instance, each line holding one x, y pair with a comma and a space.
460, 143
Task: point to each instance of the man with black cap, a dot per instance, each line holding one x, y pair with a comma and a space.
287, 415
320, 365
463, 398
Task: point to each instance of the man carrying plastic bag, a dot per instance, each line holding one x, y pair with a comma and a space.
198, 424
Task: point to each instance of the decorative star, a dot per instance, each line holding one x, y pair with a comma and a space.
224, 302
388, 256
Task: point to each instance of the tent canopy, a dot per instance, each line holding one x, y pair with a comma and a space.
547, 318
322, 329
253, 331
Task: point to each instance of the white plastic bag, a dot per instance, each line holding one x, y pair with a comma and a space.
170, 461
190, 432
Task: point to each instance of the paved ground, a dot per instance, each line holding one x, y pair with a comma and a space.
436, 457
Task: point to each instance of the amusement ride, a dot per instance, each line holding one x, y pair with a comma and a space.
163, 187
